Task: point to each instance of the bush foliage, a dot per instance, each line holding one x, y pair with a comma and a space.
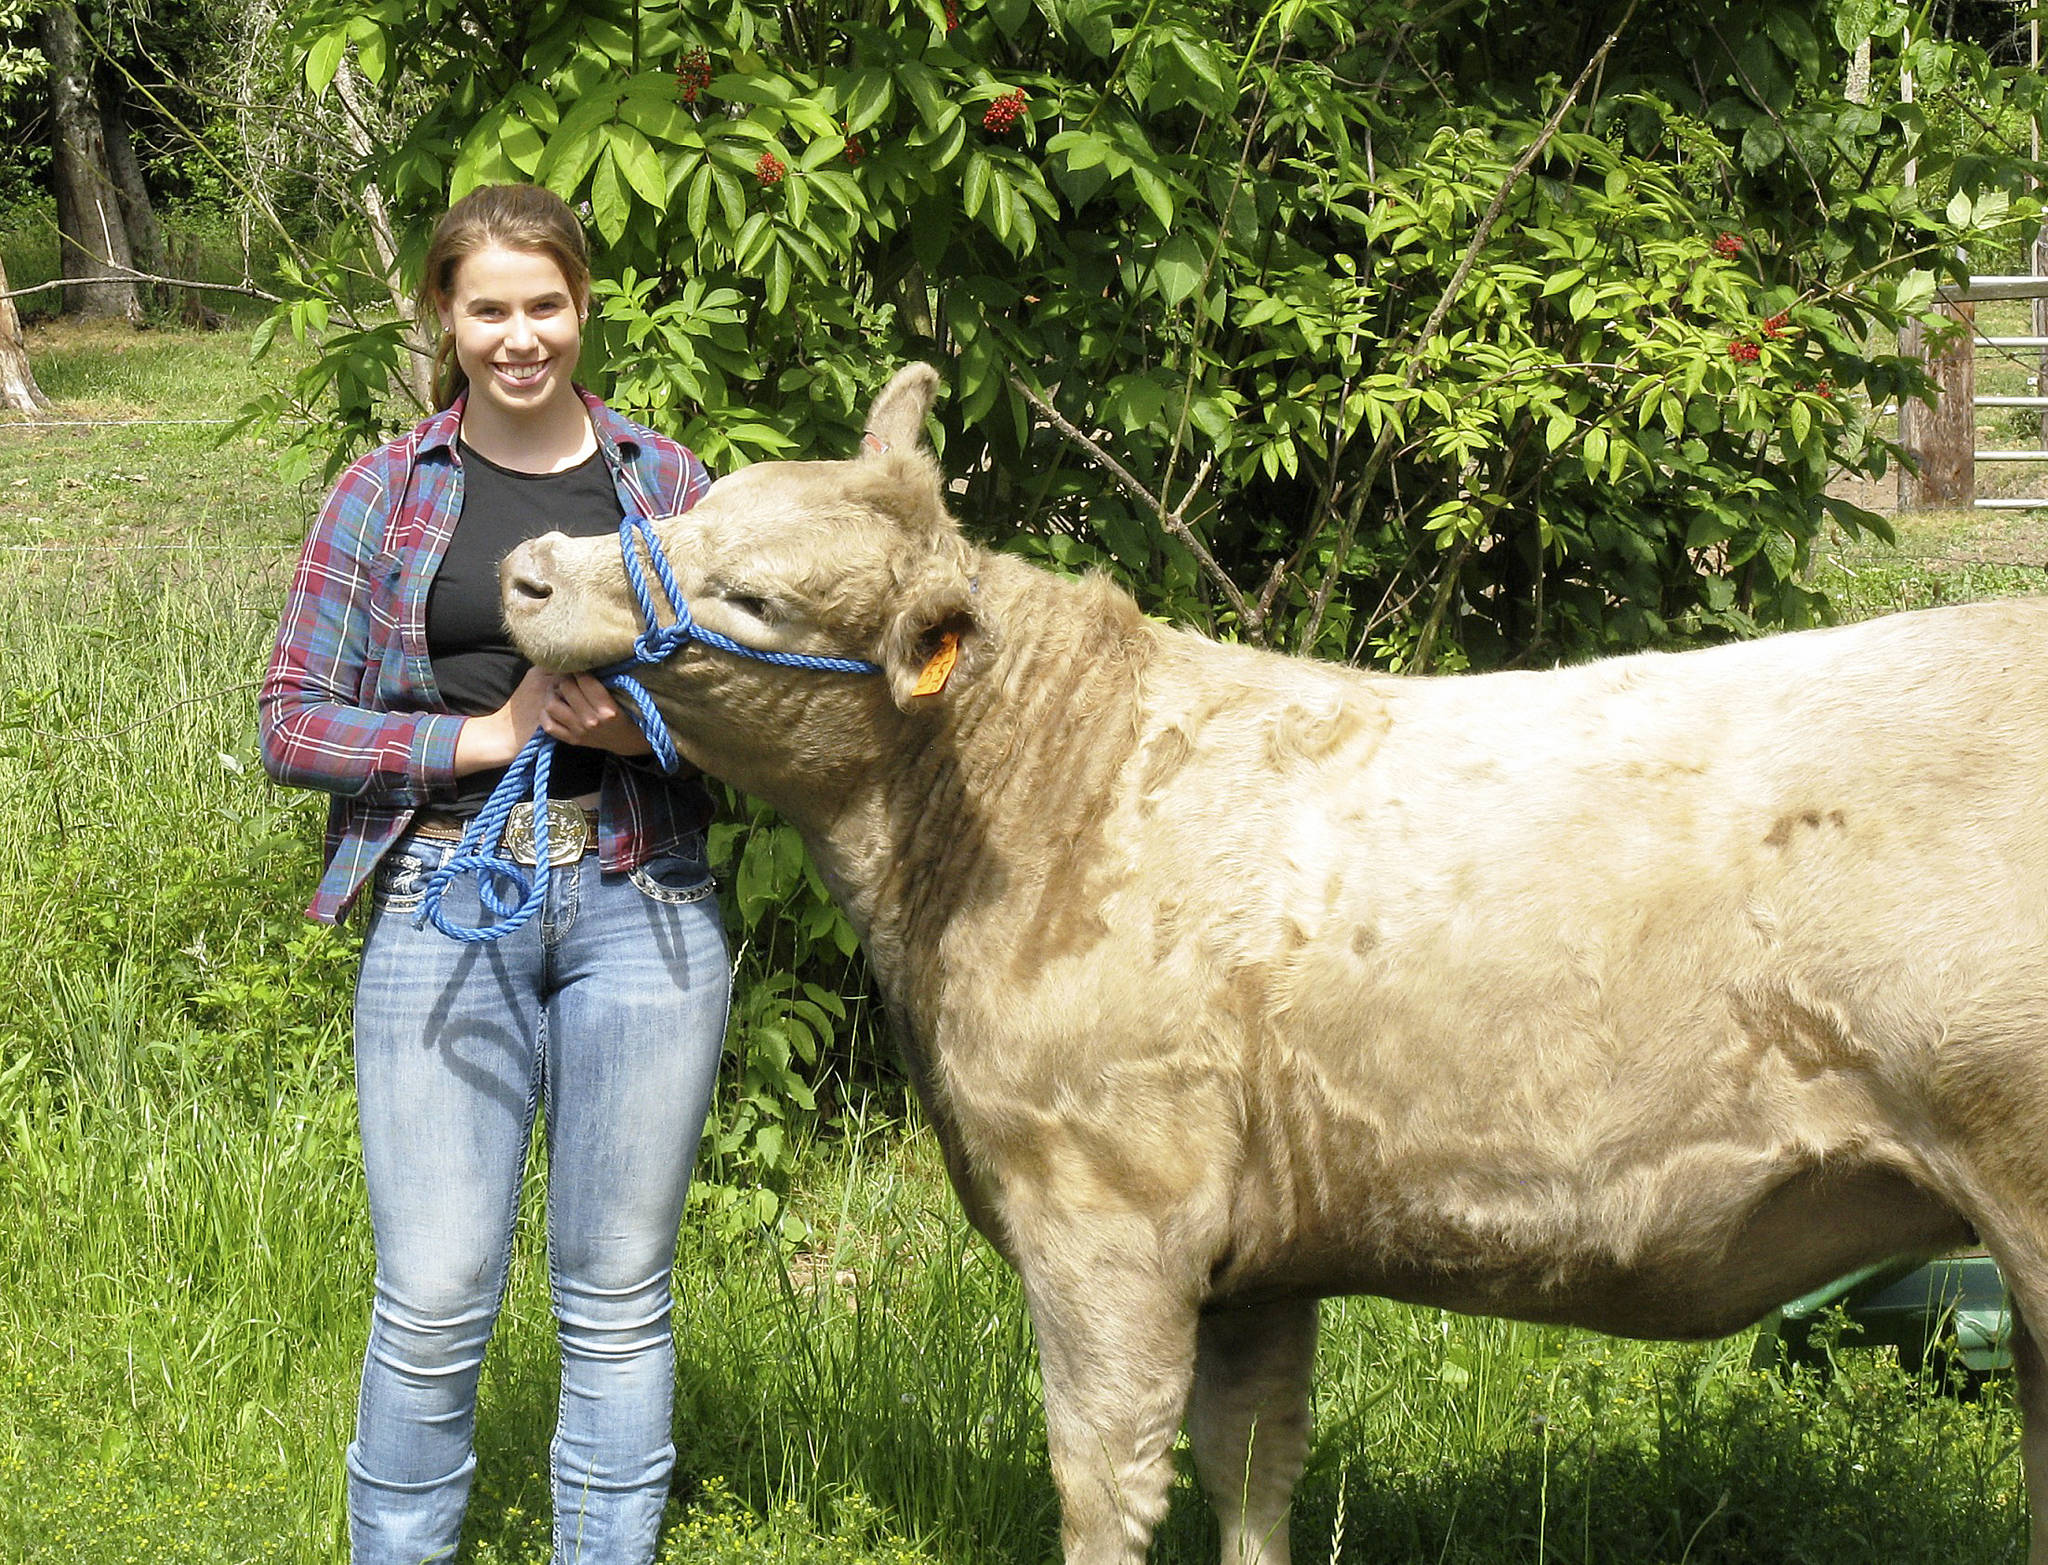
1217, 237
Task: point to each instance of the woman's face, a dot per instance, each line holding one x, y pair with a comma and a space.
518, 330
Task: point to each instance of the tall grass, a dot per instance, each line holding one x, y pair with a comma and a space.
184, 1272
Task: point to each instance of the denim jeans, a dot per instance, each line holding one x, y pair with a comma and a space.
608, 1010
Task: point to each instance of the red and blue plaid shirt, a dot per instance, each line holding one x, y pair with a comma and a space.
349, 704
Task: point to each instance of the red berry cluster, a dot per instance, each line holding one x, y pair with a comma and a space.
1775, 326
855, 151
1744, 352
952, 14
694, 73
1003, 114
1728, 246
1827, 389
770, 169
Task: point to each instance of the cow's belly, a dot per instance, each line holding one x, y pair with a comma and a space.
1663, 1135
1701, 1245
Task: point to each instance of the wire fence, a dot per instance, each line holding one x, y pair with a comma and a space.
88, 547
103, 423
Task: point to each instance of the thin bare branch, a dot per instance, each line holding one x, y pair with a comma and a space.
1447, 586
1172, 520
128, 274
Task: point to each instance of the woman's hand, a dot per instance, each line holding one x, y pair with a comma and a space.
496, 738
580, 710
574, 708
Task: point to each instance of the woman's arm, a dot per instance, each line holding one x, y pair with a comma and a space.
315, 732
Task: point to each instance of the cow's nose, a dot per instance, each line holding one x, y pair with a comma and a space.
524, 574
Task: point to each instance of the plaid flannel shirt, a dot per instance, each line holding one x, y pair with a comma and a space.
349, 704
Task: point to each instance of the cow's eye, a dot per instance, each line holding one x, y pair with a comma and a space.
747, 603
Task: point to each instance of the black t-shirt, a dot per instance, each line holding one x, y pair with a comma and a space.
475, 663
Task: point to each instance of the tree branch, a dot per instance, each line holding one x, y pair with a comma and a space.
128, 274
1383, 447
1172, 520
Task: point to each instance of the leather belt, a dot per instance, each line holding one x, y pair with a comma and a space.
572, 831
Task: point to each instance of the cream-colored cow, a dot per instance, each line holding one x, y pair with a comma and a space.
1642, 995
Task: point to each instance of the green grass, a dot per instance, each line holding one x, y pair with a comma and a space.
184, 1279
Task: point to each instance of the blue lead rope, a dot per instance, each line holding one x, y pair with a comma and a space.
512, 893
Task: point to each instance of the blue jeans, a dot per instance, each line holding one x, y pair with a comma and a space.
608, 1009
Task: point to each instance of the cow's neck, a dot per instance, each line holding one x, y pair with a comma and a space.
998, 810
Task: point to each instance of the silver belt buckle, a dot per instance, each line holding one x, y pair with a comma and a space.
568, 834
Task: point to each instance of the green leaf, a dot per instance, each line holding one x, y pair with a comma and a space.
659, 119
481, 160
1794, 36
1593, 454
323, 59
534, 106
697, 203
372, 53
522, 145
638, 162
609, 205
867, 99
732, 196
933, 106
1155, 193
974, 184
1081, 148
1091, 22
750, 247
764, 91
1179, 266
1916, 292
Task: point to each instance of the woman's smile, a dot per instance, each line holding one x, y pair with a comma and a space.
518, 332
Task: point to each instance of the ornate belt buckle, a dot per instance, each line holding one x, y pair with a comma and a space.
568, 834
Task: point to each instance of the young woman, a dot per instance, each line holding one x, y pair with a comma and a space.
393, 688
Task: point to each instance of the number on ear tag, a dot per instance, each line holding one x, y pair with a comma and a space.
939, 668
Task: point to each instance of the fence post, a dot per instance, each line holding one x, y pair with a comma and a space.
1942, 438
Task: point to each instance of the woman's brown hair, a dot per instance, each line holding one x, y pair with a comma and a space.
505, 217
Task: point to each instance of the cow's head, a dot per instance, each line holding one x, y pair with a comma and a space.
856, 558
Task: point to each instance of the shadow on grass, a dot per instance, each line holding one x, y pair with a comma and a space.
1756, 1472
937, 1437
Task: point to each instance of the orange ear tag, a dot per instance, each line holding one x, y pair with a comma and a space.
940, 668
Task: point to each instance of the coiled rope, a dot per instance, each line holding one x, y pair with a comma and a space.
511, 892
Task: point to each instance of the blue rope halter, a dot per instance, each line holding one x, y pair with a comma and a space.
508, 892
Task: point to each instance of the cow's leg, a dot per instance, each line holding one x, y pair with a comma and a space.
2030, 1366
1116, 1344
2017, 1238
1248, 1421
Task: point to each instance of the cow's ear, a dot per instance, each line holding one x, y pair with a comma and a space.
896, 420
934, 637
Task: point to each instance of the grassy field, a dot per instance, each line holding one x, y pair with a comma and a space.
184, 1276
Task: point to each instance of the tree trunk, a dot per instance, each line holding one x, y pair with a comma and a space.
138, 215
93, 244
420, 338
1944, 437
19, 392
